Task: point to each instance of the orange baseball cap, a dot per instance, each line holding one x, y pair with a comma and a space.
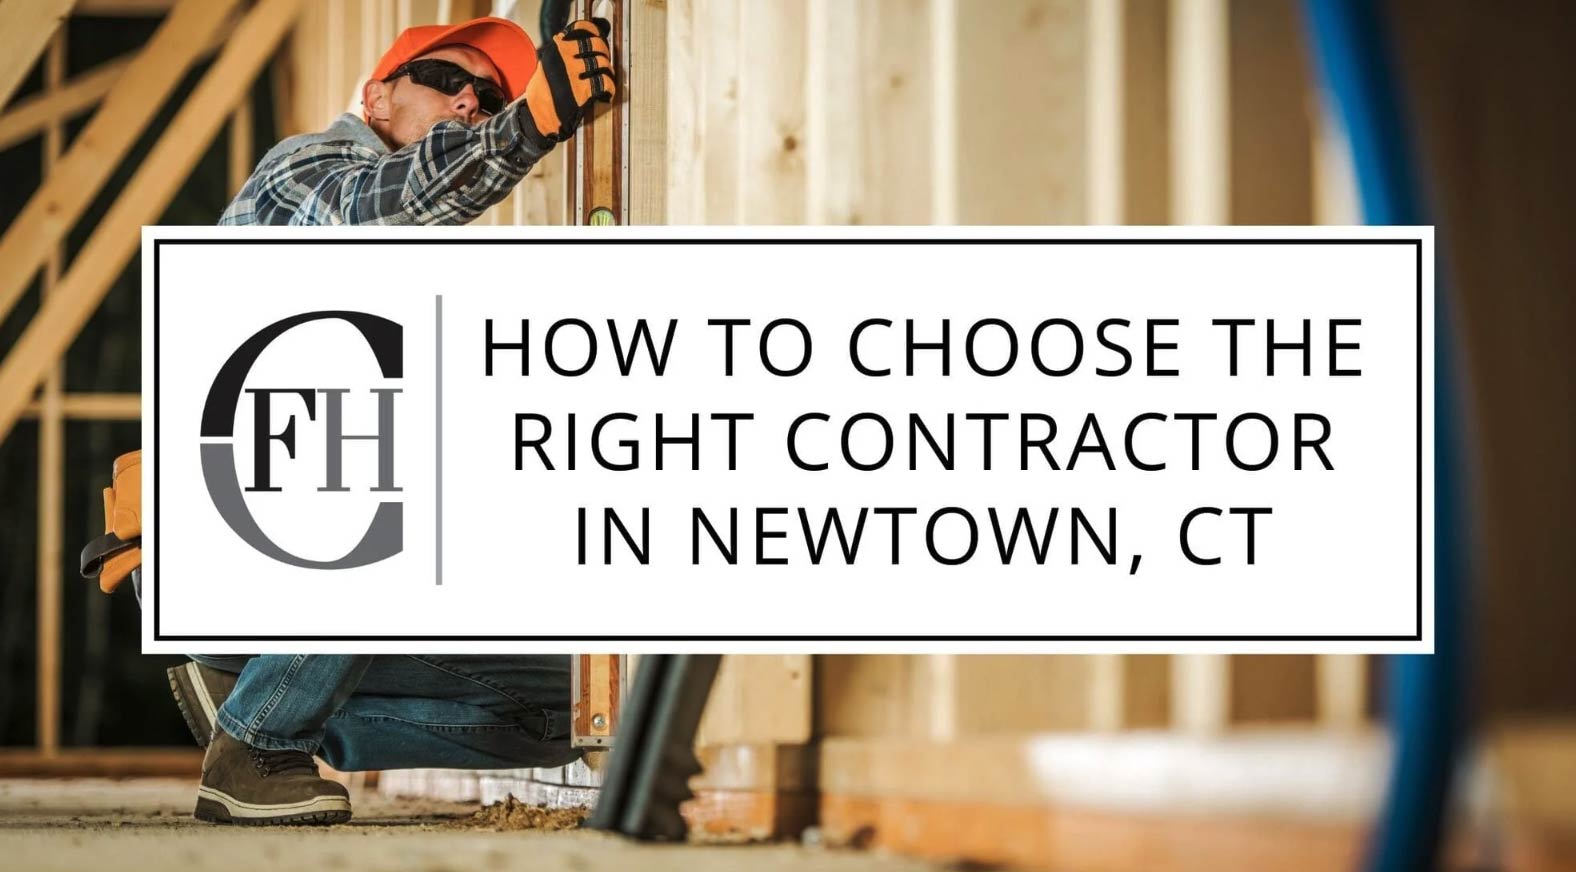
504, 43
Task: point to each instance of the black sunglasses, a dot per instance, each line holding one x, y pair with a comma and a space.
450, 79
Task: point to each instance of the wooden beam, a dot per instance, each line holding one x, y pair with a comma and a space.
143, 199
25, 29
31, 116
101, 763
57, 205
758, 698
124, 8
94, 407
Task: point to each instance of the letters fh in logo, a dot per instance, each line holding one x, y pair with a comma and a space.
385, 535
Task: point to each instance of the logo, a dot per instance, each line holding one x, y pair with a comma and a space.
384, 536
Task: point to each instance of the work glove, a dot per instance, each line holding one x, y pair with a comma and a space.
113, 556
573, 69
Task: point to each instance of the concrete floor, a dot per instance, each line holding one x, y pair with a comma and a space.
145, 825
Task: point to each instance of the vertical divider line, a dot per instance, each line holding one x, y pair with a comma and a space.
438, 435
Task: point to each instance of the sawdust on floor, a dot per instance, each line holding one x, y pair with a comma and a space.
512, 814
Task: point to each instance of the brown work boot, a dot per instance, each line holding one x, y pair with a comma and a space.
199, 691
246, 785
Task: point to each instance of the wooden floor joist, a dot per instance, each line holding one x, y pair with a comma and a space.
143, 199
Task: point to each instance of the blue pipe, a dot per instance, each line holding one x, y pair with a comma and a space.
1352, 52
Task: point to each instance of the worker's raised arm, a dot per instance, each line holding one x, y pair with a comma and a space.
449, 176
448, 173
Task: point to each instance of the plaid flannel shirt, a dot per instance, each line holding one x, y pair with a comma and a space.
347, 175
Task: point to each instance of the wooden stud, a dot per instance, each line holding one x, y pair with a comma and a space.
1106, 100
370, 30
1342, 690
142, 200
1199, 103
1200, 692
1273, 688
869, 131
1200, 194
1146, 139
57, 205
944, 111
241, 155
51, 463
334, 52
1271, 130
720, 139
1129, 178
1269, 145
771, 181
1040, 117
645, 79
686, 164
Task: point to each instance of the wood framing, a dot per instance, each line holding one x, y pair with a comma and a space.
54, 209
51, 465
29, 117
95, 407
124, 8
142, 200
241, 156
25, 29
599, 684
33, 115
101, 763
645, 82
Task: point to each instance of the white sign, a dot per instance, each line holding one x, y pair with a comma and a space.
788, 439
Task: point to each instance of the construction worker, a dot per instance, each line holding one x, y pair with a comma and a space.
451, 119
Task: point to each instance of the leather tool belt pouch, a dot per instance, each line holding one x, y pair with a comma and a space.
112, 556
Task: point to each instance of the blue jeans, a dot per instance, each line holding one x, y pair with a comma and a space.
403, 711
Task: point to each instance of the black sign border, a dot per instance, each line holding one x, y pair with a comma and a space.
1415, 243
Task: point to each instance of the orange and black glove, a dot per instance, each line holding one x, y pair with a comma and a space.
573, 70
